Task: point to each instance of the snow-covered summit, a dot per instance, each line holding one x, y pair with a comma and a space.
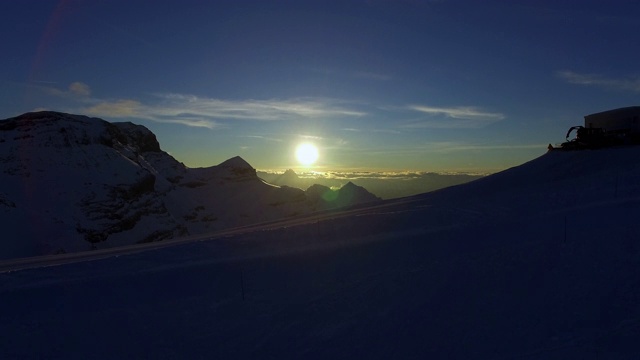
73, 183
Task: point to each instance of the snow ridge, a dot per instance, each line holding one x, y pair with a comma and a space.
73, 183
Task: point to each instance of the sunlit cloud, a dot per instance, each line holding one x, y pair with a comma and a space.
74, 90
79, 89
630, 84
117, 109
454, 117
393, 175
192, 122
310, 137
377, 175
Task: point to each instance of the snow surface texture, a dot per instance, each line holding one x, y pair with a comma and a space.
73, 183
537, 262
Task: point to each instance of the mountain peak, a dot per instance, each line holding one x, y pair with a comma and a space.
31, 119
236, 162
290, 172
36, 115
109, 184
350, 185
289, 177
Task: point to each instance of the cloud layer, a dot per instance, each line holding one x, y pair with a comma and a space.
631, 84
454, 117
198, 111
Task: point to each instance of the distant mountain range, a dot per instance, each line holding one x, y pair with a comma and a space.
72, 183
387, 185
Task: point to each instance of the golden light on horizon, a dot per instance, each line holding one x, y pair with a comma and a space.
307, 154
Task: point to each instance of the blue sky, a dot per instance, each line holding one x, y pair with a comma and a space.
375, 85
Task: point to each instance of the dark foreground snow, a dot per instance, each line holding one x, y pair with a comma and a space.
526, 264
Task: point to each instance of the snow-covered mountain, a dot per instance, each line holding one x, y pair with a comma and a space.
73, 183
537, 262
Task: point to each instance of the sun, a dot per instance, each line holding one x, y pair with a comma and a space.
307, 154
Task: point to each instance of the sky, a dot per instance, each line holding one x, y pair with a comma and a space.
469, 86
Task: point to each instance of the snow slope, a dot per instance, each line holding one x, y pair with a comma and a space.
537, 262
72, 183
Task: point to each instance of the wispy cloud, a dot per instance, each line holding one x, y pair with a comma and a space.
199, 111
134, 109
381, 131
461, 112
74, 90
377, 175
265, 138
385, 131
367, 75
371, 76
208, 112
117, 108
630, 84
311, 137
445, 147
79, 89
454, 117
263, 110
452, 146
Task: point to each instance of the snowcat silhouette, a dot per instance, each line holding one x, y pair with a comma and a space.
605, 129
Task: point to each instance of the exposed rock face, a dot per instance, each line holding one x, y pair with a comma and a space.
138, 137
72, 183
79, 183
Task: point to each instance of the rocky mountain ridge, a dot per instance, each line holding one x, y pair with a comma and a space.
73, 183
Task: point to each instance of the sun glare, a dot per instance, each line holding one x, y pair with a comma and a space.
306, 154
